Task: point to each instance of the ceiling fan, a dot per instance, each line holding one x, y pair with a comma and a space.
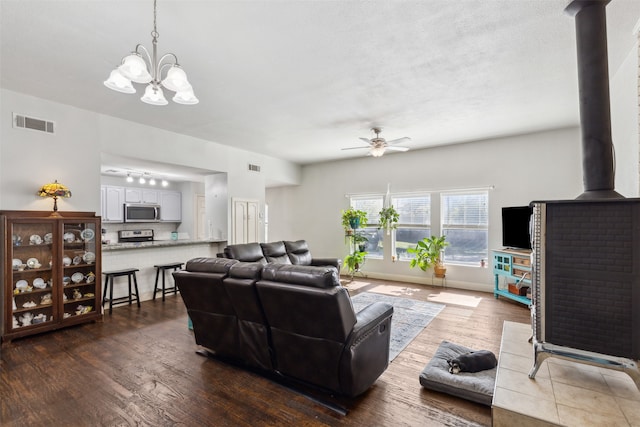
377, 146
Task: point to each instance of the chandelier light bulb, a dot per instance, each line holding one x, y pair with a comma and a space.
185, 98
119, 83
152, 181
135, 69
129, 178
165, 182
153, 95
176, 80
142, 180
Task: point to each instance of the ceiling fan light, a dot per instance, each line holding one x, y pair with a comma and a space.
119, 83
176, 80
153, 95
185, 97
135, 69
377, 151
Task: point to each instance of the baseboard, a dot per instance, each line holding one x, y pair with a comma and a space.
427, 280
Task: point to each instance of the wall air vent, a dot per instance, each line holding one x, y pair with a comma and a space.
24, 122
254, 168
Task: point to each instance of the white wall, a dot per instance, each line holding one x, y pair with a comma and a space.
624, 123
541, 166
29, 159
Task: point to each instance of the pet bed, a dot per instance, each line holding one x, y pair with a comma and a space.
477, 387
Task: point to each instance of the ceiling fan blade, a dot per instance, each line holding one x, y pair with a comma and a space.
399, 140
354, 148
396, 148
367, 140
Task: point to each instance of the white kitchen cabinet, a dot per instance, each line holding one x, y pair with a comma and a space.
112, 203
170, 206
141, 195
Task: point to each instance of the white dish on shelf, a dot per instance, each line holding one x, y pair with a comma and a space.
69, 237
77, 260
33, 263
39, 283
89, 257
16, 263
22, 284
66, 261
87, 234
66, 280
48, 238
77, 277
35, 239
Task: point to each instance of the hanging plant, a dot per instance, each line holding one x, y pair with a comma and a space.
353, 219
389, 218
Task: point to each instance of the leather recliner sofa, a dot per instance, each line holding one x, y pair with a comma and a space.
289, 320
280, 252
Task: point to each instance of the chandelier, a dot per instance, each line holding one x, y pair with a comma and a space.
135, 68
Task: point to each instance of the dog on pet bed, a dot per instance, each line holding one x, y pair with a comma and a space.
473, 361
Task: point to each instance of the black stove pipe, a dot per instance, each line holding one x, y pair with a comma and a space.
598, 164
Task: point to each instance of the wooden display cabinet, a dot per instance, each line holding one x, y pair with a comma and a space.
51, 268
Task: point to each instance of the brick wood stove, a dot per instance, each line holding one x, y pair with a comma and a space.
586, 252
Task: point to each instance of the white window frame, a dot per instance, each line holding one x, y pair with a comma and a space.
428, 225
465, 226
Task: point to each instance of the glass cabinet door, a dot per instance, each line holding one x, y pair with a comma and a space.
80, 284
32, 274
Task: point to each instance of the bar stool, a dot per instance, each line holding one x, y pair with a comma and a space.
164, 267
110, 277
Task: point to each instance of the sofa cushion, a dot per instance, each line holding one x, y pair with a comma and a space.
275, 252
210, 265
247, 252
298, 252
246, 270
315, 277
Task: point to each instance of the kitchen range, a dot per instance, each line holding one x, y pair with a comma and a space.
135, 236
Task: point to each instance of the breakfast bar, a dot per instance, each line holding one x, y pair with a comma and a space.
145, 255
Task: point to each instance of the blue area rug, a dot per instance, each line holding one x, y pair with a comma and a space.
409, 317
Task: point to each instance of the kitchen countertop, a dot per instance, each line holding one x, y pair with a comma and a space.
158, 244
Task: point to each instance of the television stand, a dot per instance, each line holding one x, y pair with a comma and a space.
515, 266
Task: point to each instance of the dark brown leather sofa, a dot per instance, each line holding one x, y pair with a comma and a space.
280, 252
291, 321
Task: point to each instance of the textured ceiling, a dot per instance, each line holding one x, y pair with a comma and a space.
301, 80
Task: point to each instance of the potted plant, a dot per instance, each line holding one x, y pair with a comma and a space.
389, 218
360, 240
428, 253
353, 219
354, 261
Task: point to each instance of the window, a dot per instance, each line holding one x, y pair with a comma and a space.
372, 205
414, 223
464, 219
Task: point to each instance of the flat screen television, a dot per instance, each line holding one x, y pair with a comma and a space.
515, 227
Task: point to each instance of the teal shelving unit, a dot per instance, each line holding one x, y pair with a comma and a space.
515, 265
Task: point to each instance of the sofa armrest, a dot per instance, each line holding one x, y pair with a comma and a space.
333, 262
366, 353
368, 319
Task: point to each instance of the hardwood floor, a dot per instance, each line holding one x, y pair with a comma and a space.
139, 367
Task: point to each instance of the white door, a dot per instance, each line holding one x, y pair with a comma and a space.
246, 221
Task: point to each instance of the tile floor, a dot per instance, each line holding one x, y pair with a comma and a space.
563, 393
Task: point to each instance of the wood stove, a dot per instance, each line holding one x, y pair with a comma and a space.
586, 283
586, 252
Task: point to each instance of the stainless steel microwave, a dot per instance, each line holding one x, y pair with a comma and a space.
141, 213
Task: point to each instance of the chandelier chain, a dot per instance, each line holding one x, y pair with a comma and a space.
154, 33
